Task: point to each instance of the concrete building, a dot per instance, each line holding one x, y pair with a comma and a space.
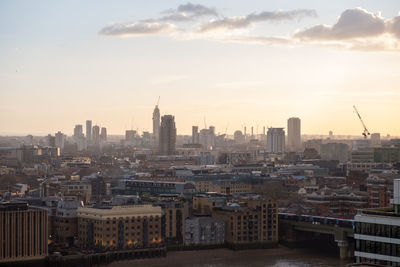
195, 135
294, 135
78, 131
207, 138
60, 140
276, 140
103, 134
167, 138
23, 232
238, 137
156, 128
376, 139
252, 219
122, 227
130, 135
204, 231
96, 134
377, 233
65, 221
148, 187
335, 151
89, 130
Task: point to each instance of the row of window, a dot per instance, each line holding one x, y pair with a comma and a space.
378, 248
377, 230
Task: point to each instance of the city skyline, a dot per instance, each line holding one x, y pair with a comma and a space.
197, 57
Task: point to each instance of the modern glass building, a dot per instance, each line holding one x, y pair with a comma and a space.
377, 233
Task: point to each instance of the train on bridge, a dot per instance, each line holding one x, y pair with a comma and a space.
347, 223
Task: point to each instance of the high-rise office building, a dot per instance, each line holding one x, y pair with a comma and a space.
96, 134
89, 130
60, 140
156, 127
195, 134
103, 134
167, 138
78, 131
294, 134
276, 140
23, 232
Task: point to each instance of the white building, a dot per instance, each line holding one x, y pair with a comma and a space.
276, 140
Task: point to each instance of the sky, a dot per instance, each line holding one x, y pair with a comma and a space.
224, 63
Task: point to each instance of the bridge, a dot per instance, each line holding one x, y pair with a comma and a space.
307, 228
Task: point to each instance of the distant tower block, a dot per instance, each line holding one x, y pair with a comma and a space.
294, 134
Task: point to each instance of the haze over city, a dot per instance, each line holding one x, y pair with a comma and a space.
242, 63
210, 133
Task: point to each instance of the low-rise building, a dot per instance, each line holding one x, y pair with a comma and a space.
23, 232
119, 227
204, 231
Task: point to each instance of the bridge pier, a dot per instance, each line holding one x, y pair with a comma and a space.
343, 249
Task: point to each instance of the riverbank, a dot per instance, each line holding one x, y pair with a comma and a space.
278, 257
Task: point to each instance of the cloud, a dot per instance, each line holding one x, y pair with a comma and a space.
394, 26
352, 23
269, 40
188, 12
136, 29
229, 23
197, 10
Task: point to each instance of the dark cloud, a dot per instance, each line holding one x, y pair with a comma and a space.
352, 23
229, 23
134, 29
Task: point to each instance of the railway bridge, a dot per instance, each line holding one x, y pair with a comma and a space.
307, 228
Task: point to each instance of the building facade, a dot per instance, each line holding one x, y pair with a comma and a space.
167, 138
294, 134
204, 231
23, 232
377, 233
276, 140
119, 227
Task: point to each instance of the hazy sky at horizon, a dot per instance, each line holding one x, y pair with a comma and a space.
62, 63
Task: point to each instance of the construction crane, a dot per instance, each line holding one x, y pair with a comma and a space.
366, 132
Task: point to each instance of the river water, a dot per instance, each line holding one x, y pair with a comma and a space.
278, 257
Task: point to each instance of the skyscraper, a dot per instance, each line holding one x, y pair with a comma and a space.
96, 134
294, 134
78, 131
103, 134
195, 134
89, 130
60, 139
167, 137
156, 127
276, 140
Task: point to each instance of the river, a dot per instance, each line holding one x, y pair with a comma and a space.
277, 257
